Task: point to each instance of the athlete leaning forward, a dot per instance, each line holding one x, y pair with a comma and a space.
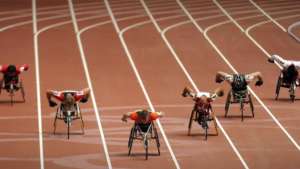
239, 92
289, 76
143, 128
202, 111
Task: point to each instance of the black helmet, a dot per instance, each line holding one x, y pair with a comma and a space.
11, 69
143, 114
239, 82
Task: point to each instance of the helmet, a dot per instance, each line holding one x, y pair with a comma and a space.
11, 69
69, 99
143, 114
239, 82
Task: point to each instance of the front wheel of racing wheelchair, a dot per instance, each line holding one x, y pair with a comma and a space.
68, 116
144, 133
203, 119
241, 98
281, 82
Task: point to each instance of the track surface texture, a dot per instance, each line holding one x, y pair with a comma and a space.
141, 54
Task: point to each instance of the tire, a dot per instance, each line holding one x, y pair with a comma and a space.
228, 100
292, 92
251, 105
191, 121
68, 129
146, 148
22, 91
11, 94
130, 141
278, 85
242, 108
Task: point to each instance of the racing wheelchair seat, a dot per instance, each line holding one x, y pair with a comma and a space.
68, 114
144, 133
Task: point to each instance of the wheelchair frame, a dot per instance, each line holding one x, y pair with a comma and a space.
12, 90
136, 133
68, 118
240, 100
195, 116
292, 87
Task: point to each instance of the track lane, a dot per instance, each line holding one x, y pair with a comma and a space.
62, 52
19, 143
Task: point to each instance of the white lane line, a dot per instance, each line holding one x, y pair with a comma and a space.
43, 19
87, 28
162, 33
228, 15
38, 89
42, 9
268, 16
290, 30
140, 80
87, 75
253, 93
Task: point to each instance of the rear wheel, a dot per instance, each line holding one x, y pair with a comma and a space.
251, 105
278, 85
11, 93
242, 108
228, 100
146, 147
130, 141
22, 91
292, 91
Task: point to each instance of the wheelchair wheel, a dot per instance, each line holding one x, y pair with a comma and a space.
22, 91
228, 100
130, 140
55, 119
278, 85
292, 91
68, 130
251, 105
146, 148
11, 93
191, 121
242, 108
157, 140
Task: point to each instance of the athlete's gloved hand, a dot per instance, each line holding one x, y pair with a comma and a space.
259, 83
52, 103
84, 100
270, 60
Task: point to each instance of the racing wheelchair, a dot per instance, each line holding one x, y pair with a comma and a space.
12, 85
144, 133
287, 79
241, 97
202, 117
68, 114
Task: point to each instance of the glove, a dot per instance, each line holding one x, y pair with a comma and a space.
186, 91
219, 78
270, 60
52, 103
259, 83
83, 100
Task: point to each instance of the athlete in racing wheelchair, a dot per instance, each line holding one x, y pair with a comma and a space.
202, 111
68, 110
289, 76
239, 89
11, 81
143, 128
